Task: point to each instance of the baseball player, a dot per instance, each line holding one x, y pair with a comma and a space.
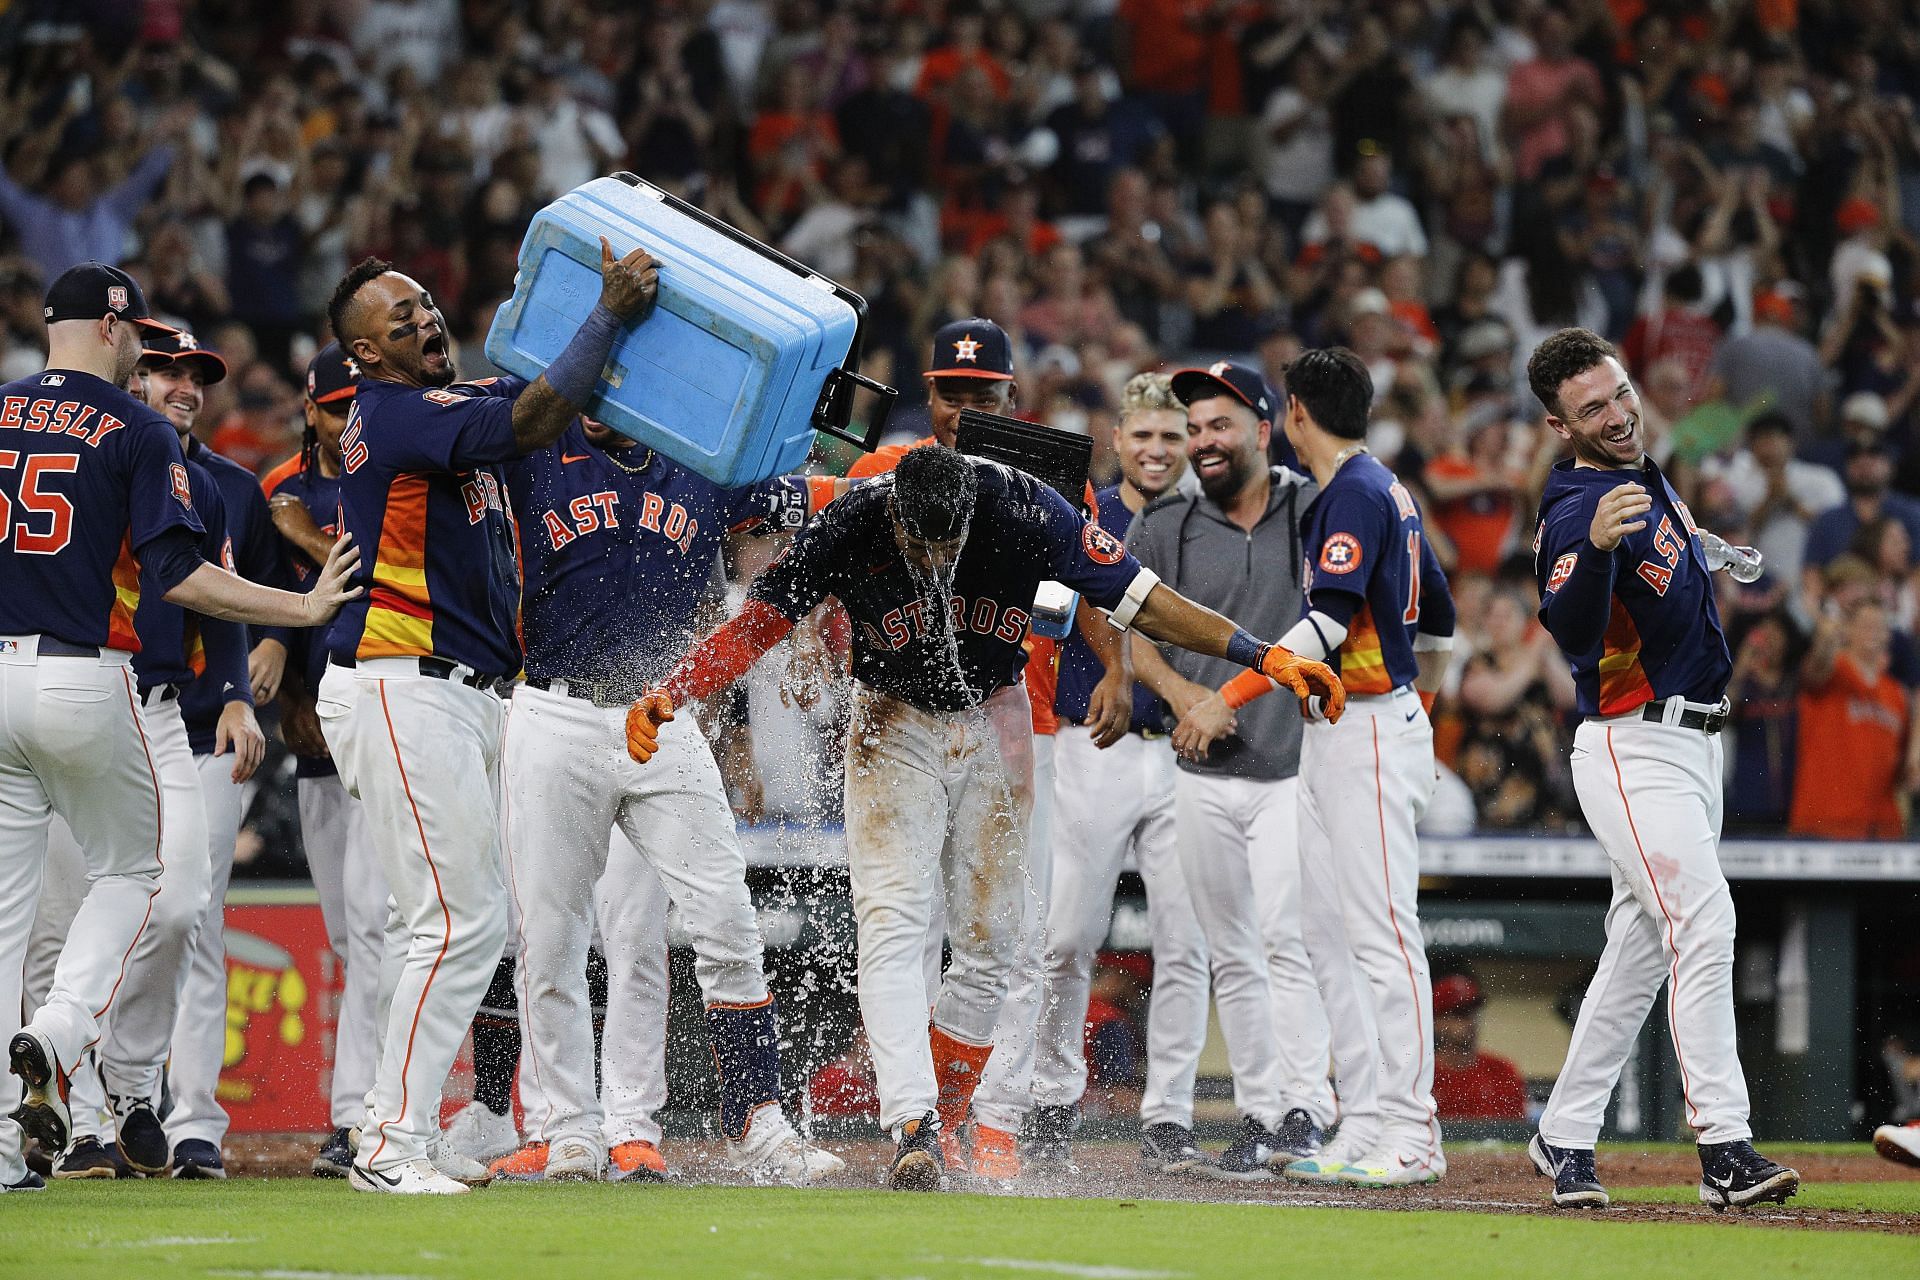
303, 496
1378, 606
1107, 801
1236, 546
619, 545
101, 486
937, 566
1626, 592
409, 704
218, 712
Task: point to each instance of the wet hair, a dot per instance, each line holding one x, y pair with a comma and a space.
1146, 392
1336, 389
934, 491
356, 279
1566, 354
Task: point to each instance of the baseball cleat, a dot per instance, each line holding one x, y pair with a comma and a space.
956, 1152
1390, 1168
1319, 1171
572, 1160
528, 1164
141, 1138
1246, 1157
917, 1162
1297, 1138
87, 1158
1046, 1140
1167, 1147
1575, 1184
457, 1165
1899, 1143
636, 1162
335, 1158
996, 1154
1735, 1176
478, 1133
198, 1158
772, 1151
27, 1181
42, 1112
414, 1178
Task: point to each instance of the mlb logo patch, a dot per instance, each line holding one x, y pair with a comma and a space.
9, 647
117, 297
54, 380
1562, 570
1341, 554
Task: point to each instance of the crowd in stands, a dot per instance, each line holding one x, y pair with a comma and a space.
1728, 189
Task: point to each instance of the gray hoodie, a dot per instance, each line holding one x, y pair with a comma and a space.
1253, 578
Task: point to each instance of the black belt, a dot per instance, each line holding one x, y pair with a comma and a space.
55, 647
159, 693
1692, 718
440, 669
604, 693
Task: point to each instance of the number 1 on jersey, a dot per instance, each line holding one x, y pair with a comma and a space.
1412, 614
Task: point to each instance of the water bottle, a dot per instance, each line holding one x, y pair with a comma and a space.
1742, 562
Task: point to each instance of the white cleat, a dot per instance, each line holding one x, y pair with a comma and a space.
480, 1135
414, 1178
572, 1160
456, 1165
1899, 1143
1388, 1168
773, 1152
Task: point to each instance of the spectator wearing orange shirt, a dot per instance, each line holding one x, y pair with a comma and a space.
1469, 1084
790, 144
1855, 752
1476, 498
965, 47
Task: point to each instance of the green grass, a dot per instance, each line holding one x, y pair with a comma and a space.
1858, 1197
299, 1230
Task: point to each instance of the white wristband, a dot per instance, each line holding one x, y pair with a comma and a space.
1137, 591
1424, 643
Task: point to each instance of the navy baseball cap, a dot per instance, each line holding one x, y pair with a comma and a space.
94, 289
1226, 379
975, 348
180, 347
331, 375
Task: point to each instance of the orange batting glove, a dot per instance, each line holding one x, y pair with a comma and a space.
1304, 676
644, 719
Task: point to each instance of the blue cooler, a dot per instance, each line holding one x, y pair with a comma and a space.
745, 354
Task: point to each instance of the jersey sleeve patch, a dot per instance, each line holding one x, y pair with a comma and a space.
1340, 554
1562, 570
182, 491
1101, 547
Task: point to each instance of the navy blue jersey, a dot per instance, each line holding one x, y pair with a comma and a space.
618, 548
424, 497
1080, 671
1369, 566
255, 555
306, 648
178, 646
89, 477
1639, 622
904, 642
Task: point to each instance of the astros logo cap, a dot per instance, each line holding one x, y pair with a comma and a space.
181, 347
332, 376
975, 348
94, 289
1226, 378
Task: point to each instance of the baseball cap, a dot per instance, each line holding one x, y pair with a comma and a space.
1226, 378
180, 347
974, 348
94, 289
1456, 993
331, 375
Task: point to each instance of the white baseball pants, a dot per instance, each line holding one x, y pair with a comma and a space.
1106, 802
423, 756
353, 902
1239, 844
1652, 795
1371, 776
61, 892
1005, 1094
569, 784
200, 1026
73, 741
934, 796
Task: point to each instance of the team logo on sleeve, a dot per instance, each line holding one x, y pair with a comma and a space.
182, 492
1101, 547
1562, 570
1341, 554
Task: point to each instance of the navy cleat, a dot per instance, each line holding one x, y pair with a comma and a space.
336, 1157
917, 1163
86, 1158
1046, 1140
142, 1139
28, 1181
1298, 1138
198, 1158
1735, 1176
1575, 1184
42, 1112
1166, 1147
1248, 1158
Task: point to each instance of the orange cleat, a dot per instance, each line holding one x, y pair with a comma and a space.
996, 1154
637, 1162
528, 1164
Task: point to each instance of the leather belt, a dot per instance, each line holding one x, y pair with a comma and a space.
1691, 718
443, 669
54, 647
159, 693
604, 693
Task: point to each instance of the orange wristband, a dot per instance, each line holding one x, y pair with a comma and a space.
1244, 688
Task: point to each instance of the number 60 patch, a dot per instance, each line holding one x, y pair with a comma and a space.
182, 491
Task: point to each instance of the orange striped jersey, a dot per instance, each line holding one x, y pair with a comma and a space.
423, 493
1369, 565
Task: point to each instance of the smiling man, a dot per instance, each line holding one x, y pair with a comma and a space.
1627, 593
409, 705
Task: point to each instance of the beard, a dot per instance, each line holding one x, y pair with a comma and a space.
1223, 484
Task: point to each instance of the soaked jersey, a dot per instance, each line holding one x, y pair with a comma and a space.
1638, 623
1080, 670
1365, 541
953, 653
306, 648
618, 548
89, 477
423, 493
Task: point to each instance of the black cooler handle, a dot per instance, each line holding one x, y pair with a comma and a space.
834, 410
